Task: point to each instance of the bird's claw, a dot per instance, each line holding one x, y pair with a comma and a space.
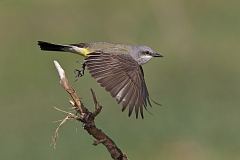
79, 72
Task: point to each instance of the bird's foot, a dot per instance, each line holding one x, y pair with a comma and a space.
79, 72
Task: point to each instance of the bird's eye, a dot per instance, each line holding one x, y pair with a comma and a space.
147, 52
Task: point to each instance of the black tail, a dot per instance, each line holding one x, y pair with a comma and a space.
52, 47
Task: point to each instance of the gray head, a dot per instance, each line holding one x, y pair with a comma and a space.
142, 54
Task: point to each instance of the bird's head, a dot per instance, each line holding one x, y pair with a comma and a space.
142, 54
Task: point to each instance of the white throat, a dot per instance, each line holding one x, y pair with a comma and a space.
144, 59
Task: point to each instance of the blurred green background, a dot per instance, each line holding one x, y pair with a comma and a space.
197, 81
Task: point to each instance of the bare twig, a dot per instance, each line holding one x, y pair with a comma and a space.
87, 117
55, 136
98, 107
68, 117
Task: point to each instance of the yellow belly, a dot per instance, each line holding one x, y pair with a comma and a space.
84, 52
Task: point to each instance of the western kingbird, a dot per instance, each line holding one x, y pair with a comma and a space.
116, 67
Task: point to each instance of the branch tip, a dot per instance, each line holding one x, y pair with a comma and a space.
60, 70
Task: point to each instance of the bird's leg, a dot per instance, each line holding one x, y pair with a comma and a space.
80, 72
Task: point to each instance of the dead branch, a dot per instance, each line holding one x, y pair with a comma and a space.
86, 117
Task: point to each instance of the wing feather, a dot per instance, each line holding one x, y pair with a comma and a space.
123, 77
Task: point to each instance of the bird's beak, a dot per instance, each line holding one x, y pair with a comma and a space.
157, 55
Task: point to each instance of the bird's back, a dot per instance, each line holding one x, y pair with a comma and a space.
106, 47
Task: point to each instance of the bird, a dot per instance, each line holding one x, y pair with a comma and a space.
116, 67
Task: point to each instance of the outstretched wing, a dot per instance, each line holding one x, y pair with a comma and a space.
123, 77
